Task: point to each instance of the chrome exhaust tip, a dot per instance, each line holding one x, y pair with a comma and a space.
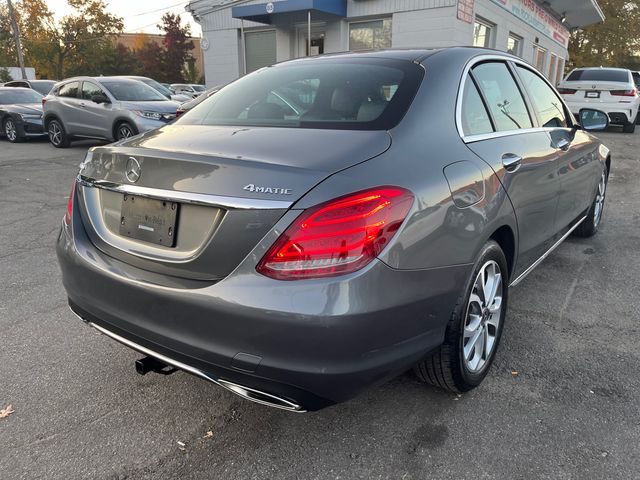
260, 397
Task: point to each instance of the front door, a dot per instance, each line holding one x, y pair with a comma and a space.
317, 41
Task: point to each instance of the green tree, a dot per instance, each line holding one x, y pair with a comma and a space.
177, 47
5, 76
615, 42
150, 58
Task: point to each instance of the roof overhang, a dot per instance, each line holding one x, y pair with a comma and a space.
577, 14
269, 12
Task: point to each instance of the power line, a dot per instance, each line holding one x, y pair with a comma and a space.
158, 10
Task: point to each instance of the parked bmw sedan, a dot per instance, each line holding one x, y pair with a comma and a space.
20, 113
296, 257
109, 108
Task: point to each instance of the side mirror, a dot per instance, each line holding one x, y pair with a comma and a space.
100, 98
593, 120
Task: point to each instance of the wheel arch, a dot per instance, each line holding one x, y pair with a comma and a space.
120, 120
505, 237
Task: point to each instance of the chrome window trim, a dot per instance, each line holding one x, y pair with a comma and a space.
486, 136
188, 197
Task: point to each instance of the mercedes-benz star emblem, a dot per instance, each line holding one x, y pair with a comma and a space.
270, 7
133, 170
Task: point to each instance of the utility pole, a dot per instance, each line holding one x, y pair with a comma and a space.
16, 38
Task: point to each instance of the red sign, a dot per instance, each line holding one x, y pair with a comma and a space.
465, 10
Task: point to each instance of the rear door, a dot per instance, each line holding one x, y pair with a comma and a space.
578, 168
95, 117
519, 153
69, 109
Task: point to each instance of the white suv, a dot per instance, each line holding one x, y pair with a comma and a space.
611, 90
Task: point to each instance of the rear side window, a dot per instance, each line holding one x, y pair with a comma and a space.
475, 118
361, 94
69, 90
636, 78
599, 74
547, 105
503, 97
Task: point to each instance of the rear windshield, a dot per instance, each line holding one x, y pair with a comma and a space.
42, 87
21, 97
197, 88
352, 94
132, 91
600, 74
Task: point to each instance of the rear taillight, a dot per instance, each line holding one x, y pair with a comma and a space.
179, 112
44, 100
338, 237
69, 213
624, 93
566, 91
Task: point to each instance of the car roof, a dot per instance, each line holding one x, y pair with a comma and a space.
603, 68
13, 89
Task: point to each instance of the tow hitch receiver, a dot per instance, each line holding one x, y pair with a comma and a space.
149, 364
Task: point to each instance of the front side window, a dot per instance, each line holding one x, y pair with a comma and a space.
503, 97
482, 33
475, 118
546, 103
339, 94
89, 90
69, 90
132, 91
370, 35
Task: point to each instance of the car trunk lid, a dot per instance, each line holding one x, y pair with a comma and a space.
230, 186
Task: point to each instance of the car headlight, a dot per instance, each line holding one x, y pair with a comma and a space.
30, 116
149, 115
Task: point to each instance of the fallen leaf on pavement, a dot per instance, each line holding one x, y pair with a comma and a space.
515, 373
5, 412
209, 434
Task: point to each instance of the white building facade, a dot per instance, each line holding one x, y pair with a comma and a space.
240, 36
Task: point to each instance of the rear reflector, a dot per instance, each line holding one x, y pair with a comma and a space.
624, 93
69, 213
339, 236
566, 91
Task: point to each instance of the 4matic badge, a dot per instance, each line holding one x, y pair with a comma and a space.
273, 190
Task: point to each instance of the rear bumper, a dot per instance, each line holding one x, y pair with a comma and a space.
619, 113
312, 343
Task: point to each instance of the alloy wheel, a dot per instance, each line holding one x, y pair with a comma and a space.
598, 206
484, 312
124, 131
55, 133
10, 130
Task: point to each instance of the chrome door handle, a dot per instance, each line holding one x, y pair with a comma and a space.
511, 162
562, 144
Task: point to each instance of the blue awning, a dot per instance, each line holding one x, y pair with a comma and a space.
267, 12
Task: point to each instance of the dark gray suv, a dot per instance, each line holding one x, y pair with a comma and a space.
324, 224
109, 108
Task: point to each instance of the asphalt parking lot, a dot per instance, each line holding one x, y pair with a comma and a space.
561, 402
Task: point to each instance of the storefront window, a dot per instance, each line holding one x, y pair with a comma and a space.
540, 55
552, 69
513, 45
560, 70
481, 34
370, 35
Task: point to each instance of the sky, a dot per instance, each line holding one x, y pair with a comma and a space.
138, 15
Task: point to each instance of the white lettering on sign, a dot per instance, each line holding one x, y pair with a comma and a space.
537, 17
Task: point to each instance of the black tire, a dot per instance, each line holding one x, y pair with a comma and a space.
121, 128
590, 225
629, 127
446, 367
57, 134
638, 118
10, 130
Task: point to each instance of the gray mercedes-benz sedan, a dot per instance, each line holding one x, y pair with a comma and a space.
324, 224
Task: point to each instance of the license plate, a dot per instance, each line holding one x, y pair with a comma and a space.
149, 220
593, 95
